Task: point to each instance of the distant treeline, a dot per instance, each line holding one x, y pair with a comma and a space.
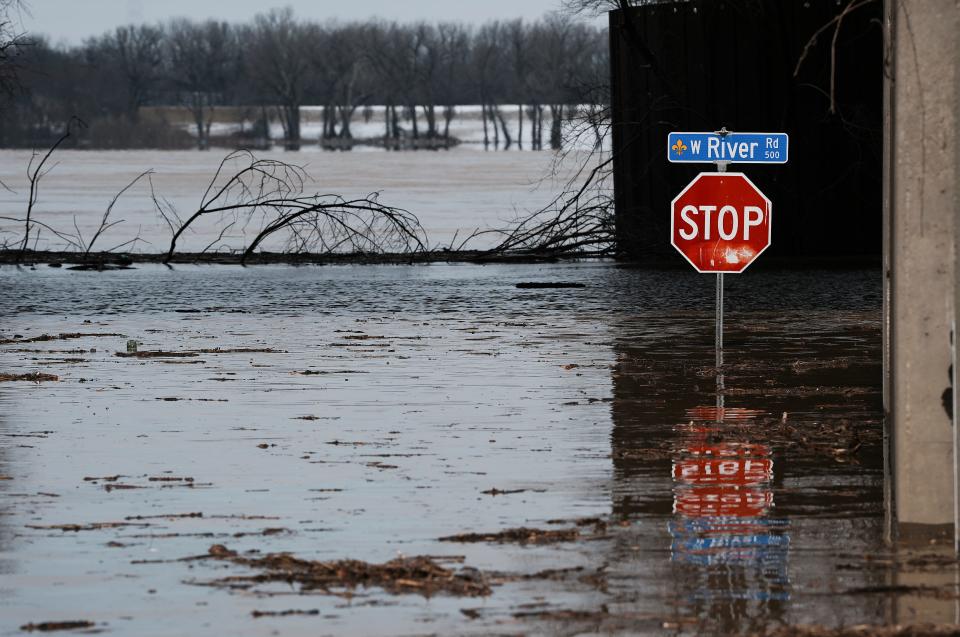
278, 63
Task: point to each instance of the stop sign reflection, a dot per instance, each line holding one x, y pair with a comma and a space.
720, 222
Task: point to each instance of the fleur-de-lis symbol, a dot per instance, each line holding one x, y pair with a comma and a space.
679, 147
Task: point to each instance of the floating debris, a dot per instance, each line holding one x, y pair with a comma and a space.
241, 350
495, 491
35, 377
155, 354
93, 526
47, 627
283, 613
318, 372
421, 575
537, 285
867, 630
521, 535
54, 337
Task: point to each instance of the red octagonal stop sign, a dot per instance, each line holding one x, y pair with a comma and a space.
720, 222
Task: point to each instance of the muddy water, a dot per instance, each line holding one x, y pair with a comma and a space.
398, 405
451, 193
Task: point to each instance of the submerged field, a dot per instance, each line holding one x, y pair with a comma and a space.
492, 459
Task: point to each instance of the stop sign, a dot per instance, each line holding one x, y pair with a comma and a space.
720, 222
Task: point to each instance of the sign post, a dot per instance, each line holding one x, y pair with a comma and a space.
718, 327
721, 222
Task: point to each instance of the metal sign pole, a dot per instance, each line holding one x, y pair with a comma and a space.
718, 344
752, 209
718, 324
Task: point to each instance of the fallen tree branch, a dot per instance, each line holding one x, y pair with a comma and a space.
36, 173
104, 222
273, 191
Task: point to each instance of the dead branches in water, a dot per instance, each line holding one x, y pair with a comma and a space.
35, 173
420, 575
579, 222
272, 193
106, 224
36, 170
575, 223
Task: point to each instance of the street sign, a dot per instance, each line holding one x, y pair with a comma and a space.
720, 222
740, 148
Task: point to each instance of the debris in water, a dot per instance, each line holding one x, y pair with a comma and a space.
420, 575
283, 613
521, 535
155, 354
536, 285
119, 487
241, 350
93, 526
867, 630
51, 337
35, 377
165, 516
46, 627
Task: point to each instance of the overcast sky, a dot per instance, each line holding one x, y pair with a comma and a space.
73, 20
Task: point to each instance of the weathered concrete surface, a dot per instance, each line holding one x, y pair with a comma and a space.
923, 225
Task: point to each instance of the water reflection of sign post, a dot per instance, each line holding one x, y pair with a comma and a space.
721, 222
722, 501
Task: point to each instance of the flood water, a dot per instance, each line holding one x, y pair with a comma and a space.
399, 405
452, 193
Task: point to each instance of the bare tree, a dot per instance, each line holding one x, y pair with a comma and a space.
135, 54
520, 57
422, 72
12, 41
204, 63
278, 58
395, 58
344, 76
453, 76
486, 60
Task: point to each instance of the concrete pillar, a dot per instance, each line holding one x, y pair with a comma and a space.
922, 190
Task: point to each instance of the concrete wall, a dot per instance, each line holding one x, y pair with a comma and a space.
923, 231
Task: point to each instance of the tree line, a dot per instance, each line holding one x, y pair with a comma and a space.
276, 64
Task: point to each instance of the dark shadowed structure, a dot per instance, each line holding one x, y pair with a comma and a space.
702, 64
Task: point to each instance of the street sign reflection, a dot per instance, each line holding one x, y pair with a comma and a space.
722, 504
